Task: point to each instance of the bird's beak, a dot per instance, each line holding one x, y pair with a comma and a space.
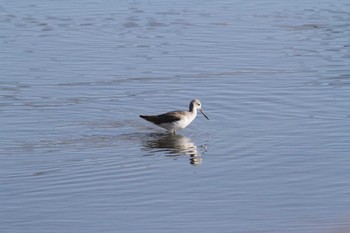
203, 114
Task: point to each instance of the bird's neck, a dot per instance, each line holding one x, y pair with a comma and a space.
192, 108
193, 111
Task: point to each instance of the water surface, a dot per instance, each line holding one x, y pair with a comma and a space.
273, 78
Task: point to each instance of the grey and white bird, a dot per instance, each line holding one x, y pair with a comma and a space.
176, 120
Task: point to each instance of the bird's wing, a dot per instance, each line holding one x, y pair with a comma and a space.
169, 117
163, 118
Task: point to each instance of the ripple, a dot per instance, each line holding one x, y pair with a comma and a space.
173, 146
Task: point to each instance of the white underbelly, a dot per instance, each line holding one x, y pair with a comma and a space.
176, 125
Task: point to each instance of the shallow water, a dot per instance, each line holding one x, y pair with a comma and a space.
273, 77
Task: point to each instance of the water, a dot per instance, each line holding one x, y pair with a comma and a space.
273, 78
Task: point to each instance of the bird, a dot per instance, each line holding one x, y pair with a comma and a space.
176, 120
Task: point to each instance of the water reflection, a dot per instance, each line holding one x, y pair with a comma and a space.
174, 145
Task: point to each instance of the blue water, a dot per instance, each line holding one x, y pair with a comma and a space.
272, 76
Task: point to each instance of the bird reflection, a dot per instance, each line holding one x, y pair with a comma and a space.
175, 145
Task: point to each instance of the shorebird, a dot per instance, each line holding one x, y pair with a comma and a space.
176, 120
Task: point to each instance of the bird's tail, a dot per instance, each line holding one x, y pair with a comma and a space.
147, 118
153, 119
